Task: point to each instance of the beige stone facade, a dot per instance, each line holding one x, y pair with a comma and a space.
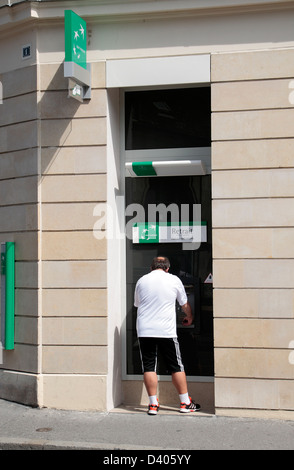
253, 230
47, 210
57, 163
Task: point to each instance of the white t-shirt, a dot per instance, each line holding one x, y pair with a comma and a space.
155, 296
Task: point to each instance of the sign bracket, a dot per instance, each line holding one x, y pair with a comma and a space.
79, 81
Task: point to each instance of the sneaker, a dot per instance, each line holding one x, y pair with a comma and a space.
153, 409
192, 407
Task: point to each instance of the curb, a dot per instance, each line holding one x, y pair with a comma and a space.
44, 444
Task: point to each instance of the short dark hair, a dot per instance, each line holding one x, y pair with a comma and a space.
160, 262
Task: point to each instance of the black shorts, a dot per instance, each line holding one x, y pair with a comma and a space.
169, 349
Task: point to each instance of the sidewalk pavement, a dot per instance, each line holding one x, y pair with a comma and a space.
26, 428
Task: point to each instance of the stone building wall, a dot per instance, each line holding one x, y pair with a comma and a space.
253, 234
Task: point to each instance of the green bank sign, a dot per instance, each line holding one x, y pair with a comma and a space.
7, 294
75, 29
164, 232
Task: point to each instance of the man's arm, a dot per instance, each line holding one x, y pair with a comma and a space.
188, 319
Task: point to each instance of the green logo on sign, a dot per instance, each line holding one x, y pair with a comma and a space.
75, 29
147, 232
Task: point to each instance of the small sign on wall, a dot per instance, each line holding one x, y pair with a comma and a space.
209, 279
27, 51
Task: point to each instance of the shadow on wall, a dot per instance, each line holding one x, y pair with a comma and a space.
116, 375
57, 112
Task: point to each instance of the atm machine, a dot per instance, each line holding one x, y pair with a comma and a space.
192, 288
191, 266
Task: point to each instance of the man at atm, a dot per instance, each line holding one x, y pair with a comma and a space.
155, 297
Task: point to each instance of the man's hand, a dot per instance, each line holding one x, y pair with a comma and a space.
188, 319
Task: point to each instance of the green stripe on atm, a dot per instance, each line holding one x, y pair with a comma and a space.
9, 313
143, 169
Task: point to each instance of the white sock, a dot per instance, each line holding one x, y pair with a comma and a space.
153, 400
184, 398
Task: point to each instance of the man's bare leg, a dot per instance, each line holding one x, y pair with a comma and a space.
178, 378
180, 382
151, 382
